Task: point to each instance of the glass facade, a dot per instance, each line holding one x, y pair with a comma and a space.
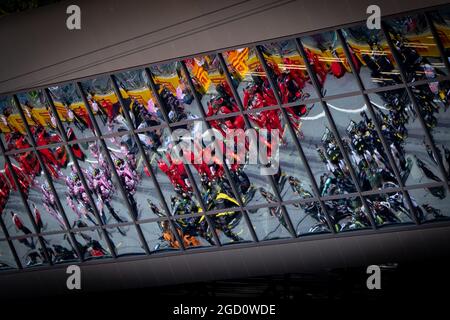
95, 169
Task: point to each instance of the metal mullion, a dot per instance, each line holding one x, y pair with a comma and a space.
27, 208
436, 37
146, 161
47, 176
377, 126
162, 108
113, 168
224, 164
330, 119
63, 136
412, 98
270, 178
294, 137
10, 244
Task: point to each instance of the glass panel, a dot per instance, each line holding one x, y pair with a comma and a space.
269, 223
105, 105
127, 241
72, 111
231, 227
441, 20
323, 154
104, 186
210, 83
348, 214
135, 90
419, 53
433, 203
60, 248
195, 230
243, 159
174, 90
289, 71
308, 218
249, 78
389, 208
13, 211
160, 237
403, 131
13, 132
378, 68
363, 144
39, 117
41, 200
6, 258
30, 252
325, 54
91, 244
433, 103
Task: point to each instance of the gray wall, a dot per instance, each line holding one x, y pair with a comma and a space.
38, 49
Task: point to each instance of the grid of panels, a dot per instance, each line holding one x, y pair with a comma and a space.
86, 171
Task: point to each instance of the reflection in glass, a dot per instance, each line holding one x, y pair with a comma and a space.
431, 203
40, 198
135, 90
211, 85
30, 252
126, 244
91, 244
6, 258
418, 50
231, 227
307, 218
72, 111
348, 214
60, 248
160, 237
323, 154
366, 152
389, 208
269, 223
195, 231
327, 58
12, 128
405, 136
249, 78
378, 67
12, 209
441, 20
172, 87
433, 101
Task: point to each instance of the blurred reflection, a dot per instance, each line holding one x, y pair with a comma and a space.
389, 208
308, 218
428, 205
378, 67
269, 223
160, 237
143, 106
72, 111
12, 209
326, 56
91, 244
418, 50
6, 258
30, 252
441, 20
405, 136
12, 128
174, 91
347, 214
367, 155
126, 245
249, 78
